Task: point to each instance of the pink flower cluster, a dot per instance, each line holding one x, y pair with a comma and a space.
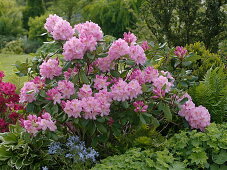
71, 72
33, 124
162, 82
130, 37
73, 49
60, 29
28, 92
100, 82
122, 90
64, 89
197, 117
89, 34
180, 52
140, 106
120, 48
145, 45
89, 106
50, 68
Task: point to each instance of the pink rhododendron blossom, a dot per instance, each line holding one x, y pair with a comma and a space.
28, 92
137, 54
105, 64
89, 42
51, 22
134, 89
73, 108
168, 75
150, 74
89, 29
100, 82
180, 52
138, 75
70, 73
39, 81
118, 48
66, 88
120, 91
145, 45
50, 68
55, 95
129, 37
162, 83
73, 49
85, 91
104, 94
91, 107
199, 118
62, 30
140, 106
33, 124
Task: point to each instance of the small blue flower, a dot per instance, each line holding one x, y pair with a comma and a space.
69, 155
44, 168
54, 148
72, 140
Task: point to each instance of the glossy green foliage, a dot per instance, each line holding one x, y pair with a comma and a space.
212, 93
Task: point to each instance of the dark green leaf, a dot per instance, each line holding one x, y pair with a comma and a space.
115, 73
101, 128
30, 107
84, 78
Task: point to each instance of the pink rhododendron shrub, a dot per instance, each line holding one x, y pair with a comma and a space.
97, 88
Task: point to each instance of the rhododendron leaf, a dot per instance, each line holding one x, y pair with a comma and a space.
67, 65
144, 88
115, 73
125, 104
167, 112
176, 63
124, 74
54, 109
130, 62
142, 119
102, 128
148, 115
84, 122
186, 63
155, 122
183, 101
30, 107
101, 119
102, 55
90, 56
43, 93
83, 77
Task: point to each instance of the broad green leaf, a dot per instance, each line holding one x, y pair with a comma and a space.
4, 154
115, 73
101, 128
142, 119
220, 158
30, 107
84, 78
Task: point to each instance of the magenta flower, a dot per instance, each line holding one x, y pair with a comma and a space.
50, 69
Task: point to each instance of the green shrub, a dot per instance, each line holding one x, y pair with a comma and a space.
30, 46
13, 47
202, 59
4, 39
186, 150
36, 28
212, 94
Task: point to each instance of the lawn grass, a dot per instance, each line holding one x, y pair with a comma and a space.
6, 65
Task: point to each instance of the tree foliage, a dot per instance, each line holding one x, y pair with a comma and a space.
10, 18
182, 22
